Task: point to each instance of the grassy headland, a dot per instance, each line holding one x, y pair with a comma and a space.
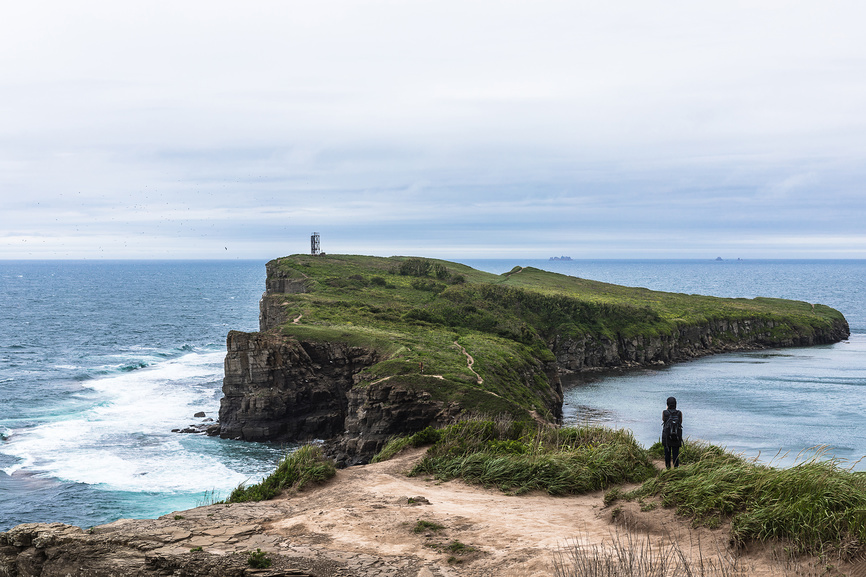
424, 312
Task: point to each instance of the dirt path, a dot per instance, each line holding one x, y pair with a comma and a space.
362, 524
470, 362
364, 521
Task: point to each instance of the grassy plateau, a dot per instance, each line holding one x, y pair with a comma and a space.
424, 312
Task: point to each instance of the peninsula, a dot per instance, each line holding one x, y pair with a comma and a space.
359, 349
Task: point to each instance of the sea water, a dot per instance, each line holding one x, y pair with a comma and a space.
99, 361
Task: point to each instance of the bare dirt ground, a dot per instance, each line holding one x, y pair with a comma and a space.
363, 522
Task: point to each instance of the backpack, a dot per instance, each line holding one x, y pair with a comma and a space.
674, 428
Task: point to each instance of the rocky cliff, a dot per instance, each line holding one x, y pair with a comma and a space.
280, 389
688, 342
277, 388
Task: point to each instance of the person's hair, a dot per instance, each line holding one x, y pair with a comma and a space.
672, 403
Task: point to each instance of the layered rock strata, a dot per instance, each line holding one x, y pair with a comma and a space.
279, 389
689, 342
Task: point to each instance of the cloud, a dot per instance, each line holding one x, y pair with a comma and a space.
481, 128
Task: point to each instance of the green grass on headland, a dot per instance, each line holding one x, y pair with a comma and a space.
413, 310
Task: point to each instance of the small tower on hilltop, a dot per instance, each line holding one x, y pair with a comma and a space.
315, 249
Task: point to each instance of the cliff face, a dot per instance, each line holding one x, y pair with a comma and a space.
720, 336
279, 389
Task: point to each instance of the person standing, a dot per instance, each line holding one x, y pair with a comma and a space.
672, 433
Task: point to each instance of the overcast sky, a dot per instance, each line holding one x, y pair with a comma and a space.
470, 129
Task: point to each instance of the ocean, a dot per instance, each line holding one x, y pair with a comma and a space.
100, 360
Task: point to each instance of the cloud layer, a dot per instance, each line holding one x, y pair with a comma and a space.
452, 129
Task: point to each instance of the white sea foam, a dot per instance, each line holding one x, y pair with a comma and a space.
124, 441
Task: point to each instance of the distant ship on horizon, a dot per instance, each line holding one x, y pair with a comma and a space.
560, 258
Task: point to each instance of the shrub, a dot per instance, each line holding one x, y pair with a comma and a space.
258, 560
423, 526
427, 285
415, 267
306, 465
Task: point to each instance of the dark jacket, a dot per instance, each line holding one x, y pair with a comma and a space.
665, 416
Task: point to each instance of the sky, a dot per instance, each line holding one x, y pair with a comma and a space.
470, 129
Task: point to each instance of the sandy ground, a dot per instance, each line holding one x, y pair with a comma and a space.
373, 510
363, 521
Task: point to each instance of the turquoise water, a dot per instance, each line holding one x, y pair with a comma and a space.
100, 360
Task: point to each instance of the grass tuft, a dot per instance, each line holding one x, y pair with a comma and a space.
306, 465
422, 526
520, 457
258, 559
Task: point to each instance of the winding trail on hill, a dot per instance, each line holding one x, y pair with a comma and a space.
470, 362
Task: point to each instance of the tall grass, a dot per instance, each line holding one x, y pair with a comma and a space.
632, 555
294, 471
812, 506
521, 457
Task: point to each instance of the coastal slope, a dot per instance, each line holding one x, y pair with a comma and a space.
374, 521
358, 349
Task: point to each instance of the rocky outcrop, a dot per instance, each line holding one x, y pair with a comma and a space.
272, 311
280, 282
719, 336
279, 389
210, 541
379, 412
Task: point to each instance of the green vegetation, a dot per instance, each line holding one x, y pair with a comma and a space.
426, 436
627, 555
306, 465
423, 526
415, 310
815, 507
258, 560
812, 506
521, 457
